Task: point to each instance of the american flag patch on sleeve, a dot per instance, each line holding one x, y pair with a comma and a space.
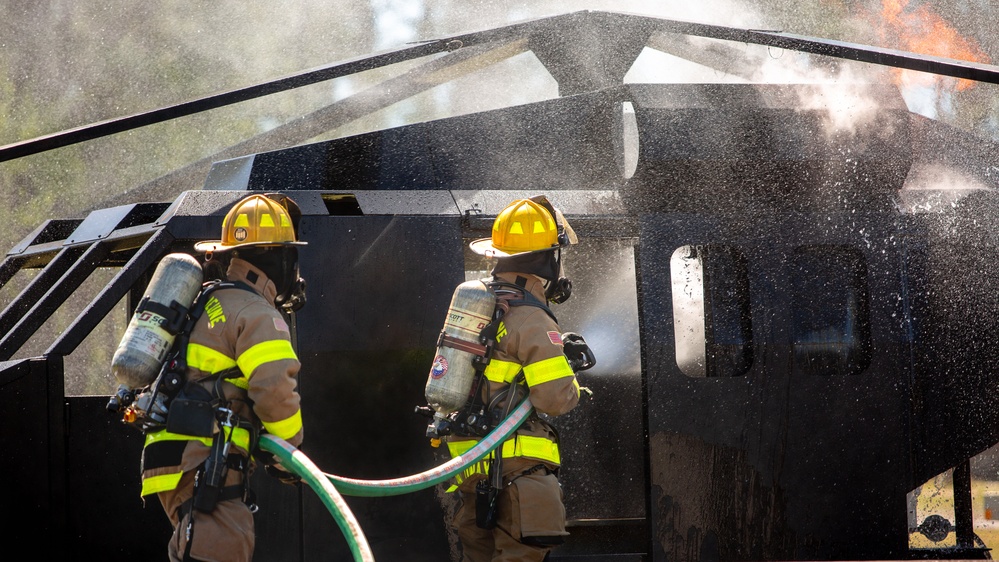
555, 337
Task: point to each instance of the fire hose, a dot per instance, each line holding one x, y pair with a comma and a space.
296, 461
405, 485
329, 487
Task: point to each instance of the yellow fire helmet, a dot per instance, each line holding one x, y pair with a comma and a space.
524, 226
257, 220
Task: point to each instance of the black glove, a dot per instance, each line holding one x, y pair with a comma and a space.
272, 466
577, 352
278, 471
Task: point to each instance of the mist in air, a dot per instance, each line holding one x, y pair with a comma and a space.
67, 65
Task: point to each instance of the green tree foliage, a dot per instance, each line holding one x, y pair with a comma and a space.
69, 64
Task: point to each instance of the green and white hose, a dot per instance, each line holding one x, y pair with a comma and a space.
296, 462
329, 487
434, 476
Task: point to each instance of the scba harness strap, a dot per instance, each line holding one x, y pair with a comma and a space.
478, 418
150, 409
205, 498
515, 294
505, 295
199, 410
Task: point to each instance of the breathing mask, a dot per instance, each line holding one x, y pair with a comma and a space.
559, 288
280, 264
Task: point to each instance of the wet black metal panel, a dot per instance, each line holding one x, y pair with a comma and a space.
415, 202
602, 441
501, 149
24, 452
378, 289
100, 224
764, 450
758, 146
597, 53
105, 511
48, 231
950, 265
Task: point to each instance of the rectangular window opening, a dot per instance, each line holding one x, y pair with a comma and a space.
711, 312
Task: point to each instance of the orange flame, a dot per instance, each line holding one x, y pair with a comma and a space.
922, 31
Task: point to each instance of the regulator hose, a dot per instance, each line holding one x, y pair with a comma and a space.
296, 461
405, 485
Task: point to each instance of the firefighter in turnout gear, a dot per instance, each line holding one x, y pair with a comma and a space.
240, 360
511, 502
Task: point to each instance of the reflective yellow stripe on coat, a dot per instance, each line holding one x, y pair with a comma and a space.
534, 374
164, 482
520, 446
212, 361
264, 352
286, 428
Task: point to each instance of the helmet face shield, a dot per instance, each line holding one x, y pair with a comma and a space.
567, 233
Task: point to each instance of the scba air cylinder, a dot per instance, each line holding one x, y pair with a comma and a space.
157, 320
453, 371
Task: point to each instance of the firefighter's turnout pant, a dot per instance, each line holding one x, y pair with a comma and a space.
530, 515
224, 535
